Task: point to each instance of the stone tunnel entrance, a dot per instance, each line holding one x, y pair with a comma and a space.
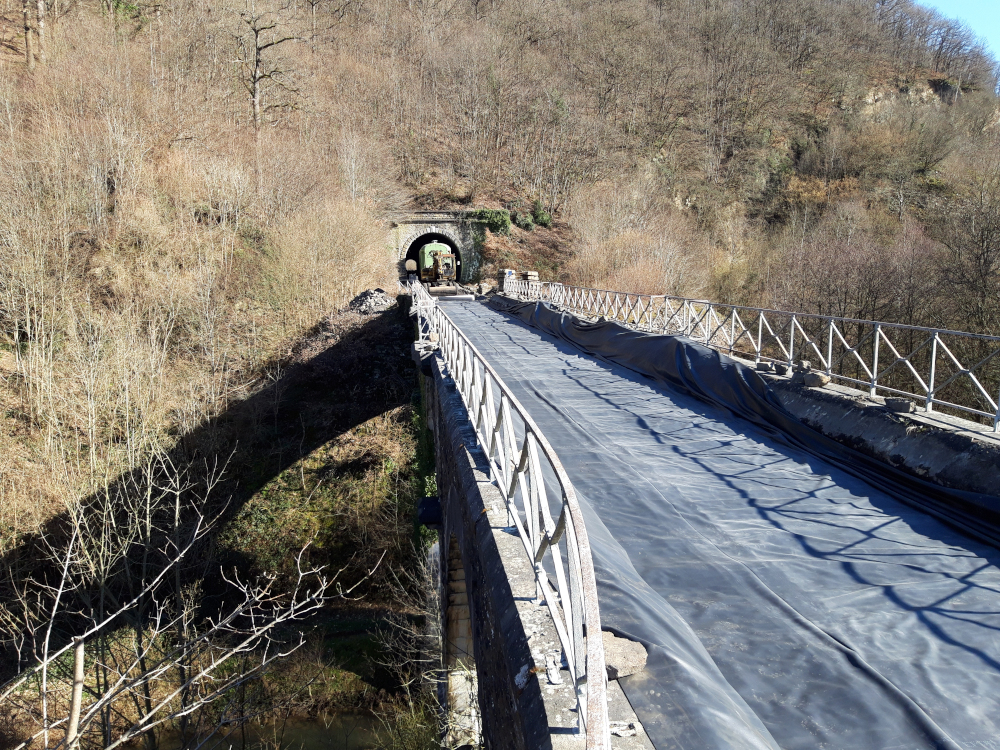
411, 231
423, 239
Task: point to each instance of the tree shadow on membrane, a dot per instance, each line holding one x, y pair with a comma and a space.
794, 514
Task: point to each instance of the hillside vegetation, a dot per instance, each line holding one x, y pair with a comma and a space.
216, 182
191, 190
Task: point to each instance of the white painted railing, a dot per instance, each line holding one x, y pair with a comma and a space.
517, 467
937, 367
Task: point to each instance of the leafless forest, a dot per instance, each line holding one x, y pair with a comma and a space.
190, 190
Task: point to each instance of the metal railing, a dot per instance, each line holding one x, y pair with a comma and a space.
938, 367
557, 547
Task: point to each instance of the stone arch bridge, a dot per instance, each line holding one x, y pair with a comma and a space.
761, 571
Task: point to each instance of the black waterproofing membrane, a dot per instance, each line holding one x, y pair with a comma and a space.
791, 593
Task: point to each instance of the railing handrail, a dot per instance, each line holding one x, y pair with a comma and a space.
815, 316
720, 325
573, 604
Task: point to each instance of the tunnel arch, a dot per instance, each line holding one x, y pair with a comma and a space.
422, 239
456, 229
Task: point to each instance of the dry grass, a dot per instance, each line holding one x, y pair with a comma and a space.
153, 262
631, 239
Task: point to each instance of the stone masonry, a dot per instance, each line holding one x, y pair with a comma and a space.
455, 225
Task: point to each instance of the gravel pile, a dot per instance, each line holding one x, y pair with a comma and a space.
371, 301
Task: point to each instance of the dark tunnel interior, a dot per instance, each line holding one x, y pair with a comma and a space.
419, 242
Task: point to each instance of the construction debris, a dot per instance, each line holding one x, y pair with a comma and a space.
815, 379
371, 301
623, 728
900, 405
622, 656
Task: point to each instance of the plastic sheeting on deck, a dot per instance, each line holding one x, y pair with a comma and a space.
784, 601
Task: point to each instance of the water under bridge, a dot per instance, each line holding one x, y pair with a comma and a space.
803, 567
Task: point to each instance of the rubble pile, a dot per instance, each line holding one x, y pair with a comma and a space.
371, 301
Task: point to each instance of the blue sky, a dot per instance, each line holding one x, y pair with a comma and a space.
983, 16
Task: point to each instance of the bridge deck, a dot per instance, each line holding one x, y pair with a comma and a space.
784, 602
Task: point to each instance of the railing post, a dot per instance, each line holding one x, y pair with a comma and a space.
829, 348
874, 385
791, 343
929, 403
760, 336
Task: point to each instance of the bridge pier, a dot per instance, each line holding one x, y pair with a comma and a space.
461, 686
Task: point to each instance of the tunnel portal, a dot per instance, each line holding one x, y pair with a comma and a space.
411, 231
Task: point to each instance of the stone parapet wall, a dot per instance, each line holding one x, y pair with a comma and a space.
511, 706
946, 450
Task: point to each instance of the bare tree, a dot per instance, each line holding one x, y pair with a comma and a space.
159, 676
412, 650
123, 577
261, 32
969, 226
40, 5
254, 626
336, 9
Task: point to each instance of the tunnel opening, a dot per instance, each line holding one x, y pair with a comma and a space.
419, 242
